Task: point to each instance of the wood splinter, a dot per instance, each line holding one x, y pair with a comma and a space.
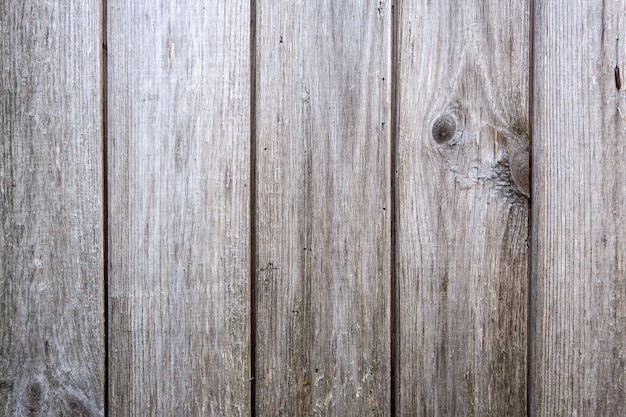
618, 79
495, 155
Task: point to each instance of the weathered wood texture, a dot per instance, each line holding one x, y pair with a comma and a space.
462, 219
51, 220
179, 195
323, 214
579, 193
179, 180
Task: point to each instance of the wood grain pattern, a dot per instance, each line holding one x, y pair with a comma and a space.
462, 212
51, 220
179, 182
179, 194
579, 191
323, 143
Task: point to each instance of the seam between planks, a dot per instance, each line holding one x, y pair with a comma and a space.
105, 195
395, 302
253, 208
532, 235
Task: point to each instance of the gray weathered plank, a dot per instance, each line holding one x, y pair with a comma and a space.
323, 219
579, 193
179, 195
51, 222
462, 219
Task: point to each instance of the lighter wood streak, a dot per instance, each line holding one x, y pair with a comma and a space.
179, 186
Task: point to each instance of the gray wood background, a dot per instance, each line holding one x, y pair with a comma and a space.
52, 324
278, 208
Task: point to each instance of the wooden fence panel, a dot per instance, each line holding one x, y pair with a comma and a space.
462, 210
51, 220
338, 328
323, 215
579, 192
179, 196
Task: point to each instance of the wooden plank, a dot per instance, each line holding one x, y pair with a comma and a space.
579, 183
462, 210
51, 220
179, 194
323, 214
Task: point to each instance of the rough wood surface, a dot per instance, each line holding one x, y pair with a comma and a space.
51, 220
179, 186
462, 213
579, 193
323, 144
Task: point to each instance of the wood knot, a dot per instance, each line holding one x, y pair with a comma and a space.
444, 129
35, 396
520, 170
77, 407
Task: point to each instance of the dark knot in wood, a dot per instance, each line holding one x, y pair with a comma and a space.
35, 397
78, 407
444, 129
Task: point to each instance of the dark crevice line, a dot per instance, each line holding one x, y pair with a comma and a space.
253, 208
532, 235
105, 196
395, 302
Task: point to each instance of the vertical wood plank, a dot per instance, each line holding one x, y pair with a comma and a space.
323, 219
462, 209
579, 192
51, 223
179, 186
